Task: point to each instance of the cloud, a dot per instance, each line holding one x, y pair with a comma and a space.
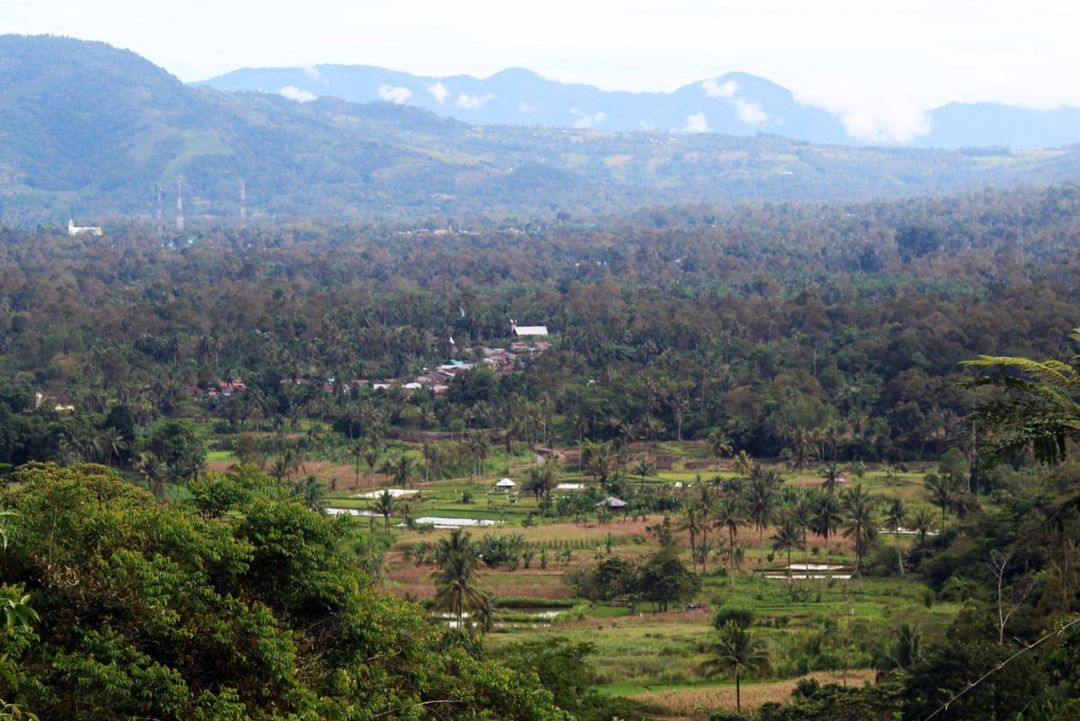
439, 92
871, 114
750, 112
313, 73
472, 102
525, 107
715, 90
394, 94
696, 123
585, 120
294, 93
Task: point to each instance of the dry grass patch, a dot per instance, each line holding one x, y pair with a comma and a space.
698, 703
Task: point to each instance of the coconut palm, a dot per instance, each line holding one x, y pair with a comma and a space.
356, 450
692, 520
312, 492
827, 519
743, 463
729, 514
456, 588
859, 523
905, 650
761, 499
736, 653
384, 506
719, 445
923, 523
894, 519
941, 490
372, 451
787, 537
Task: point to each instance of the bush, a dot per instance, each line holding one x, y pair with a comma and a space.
728, 716
741, 617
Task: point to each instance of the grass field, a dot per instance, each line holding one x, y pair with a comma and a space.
812, 627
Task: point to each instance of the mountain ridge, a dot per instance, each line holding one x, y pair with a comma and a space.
91, 132
736, 103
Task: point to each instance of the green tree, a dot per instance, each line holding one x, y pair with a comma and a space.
736, 653
858, 522
385, 505
787, 537
457, 590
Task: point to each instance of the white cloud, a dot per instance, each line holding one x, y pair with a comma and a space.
696, 123
394, 94
870, 113
313, 73
439, 92
294, 93
472, 102
525, 107
585, 120
750, 112
715, 90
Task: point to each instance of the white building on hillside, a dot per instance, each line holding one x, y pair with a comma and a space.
83, 230
528, 330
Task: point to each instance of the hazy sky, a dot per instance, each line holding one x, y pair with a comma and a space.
879, 63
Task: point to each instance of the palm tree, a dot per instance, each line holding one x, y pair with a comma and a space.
693, 519
941, 492
729, 515
894, 519
923, 523
735, 653
1041, 411
372, 451
598, 460
384, 506
456, 588
643, 469
761, 500
787, 537
858, 523
743, 463
149, 466
803, 515
827, 519
356, 450
312, 492
719, 445
403, 471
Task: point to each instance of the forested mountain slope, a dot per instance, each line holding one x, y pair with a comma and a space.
89, 131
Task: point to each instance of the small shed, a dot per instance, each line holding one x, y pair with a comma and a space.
505, 484
613, 503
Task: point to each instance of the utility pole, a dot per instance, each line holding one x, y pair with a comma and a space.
160, 217
179, 203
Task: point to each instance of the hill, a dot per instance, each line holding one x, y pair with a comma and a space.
89, 131
734, 103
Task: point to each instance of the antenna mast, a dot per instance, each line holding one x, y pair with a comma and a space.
243, 204
160, 217
179, 204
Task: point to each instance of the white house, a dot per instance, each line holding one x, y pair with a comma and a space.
83, 230
528, 330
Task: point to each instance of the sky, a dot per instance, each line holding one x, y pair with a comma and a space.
879, 64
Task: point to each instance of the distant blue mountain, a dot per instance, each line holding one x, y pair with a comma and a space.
734, 104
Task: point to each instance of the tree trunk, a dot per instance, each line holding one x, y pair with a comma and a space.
738, 692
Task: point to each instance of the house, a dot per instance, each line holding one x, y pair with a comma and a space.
74, 230
528, 330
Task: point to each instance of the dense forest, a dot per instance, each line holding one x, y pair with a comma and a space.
791, 328
185, 423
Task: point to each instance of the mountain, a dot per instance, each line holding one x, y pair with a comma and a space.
90, 132
736, 104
